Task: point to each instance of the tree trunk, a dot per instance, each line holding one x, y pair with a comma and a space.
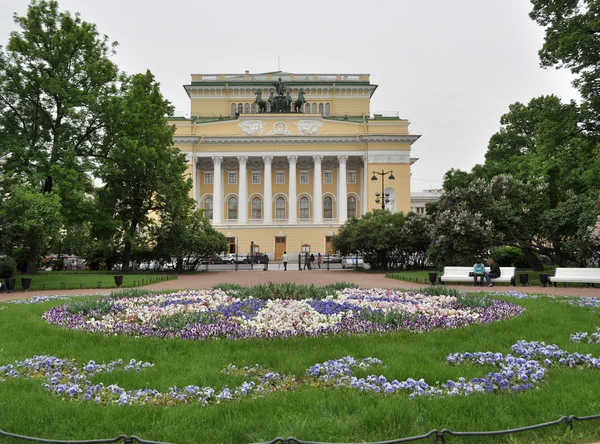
48, 185
126, 255
32, 267
534, 261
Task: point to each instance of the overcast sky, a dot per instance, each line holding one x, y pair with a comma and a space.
451, 68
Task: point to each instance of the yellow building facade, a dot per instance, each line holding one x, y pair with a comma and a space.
283, 160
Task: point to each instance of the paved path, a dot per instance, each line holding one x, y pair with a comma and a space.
316, 277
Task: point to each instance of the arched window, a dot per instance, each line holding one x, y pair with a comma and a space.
328, 109
256, 208
208, 207
254, 107
351, 207
232, 208
240, 108
307, 108
247, 108
327, 207
233, 108
280, 208
321, 109
304, 208
314, 108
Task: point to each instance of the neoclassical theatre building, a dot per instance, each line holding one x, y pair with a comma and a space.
283, 160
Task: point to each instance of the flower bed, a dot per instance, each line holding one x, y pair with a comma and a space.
211, 314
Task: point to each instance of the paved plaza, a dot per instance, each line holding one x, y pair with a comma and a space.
316, 277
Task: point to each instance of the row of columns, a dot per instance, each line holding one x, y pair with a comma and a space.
268, 189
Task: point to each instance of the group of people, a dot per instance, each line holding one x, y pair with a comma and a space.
480, 273
309, 258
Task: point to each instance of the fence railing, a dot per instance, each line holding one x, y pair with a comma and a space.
438, 436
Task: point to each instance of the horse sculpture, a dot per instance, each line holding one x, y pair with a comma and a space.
300, 101
271, 99
262, 105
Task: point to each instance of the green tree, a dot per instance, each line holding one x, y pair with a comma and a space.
29, 219
187, 240
572, 41
142, 172
55, 75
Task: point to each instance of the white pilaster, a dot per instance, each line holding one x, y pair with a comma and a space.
317, 191
194, 182
268, 218
293, 205
363, 197
243, 191
217, 191
342, 197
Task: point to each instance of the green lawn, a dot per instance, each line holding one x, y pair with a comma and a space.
309, 413
60, 280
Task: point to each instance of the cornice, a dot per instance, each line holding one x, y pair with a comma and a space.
270, 140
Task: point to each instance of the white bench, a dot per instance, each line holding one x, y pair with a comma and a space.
581, 275
461, 274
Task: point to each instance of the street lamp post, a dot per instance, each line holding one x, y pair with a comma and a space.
383, 197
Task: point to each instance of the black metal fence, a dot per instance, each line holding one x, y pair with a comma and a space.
438, 436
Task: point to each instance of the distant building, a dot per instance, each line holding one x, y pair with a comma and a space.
418, 199
283, 160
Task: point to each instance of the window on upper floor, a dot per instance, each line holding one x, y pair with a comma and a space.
232, 178
233, 110
256, 177
351, 176
321, 110
208, 207
327, 207
240, 108
314, 108
280, 208
247, 108
280, 177
304, 208
232, 208
351, 213
208, 178
304, 177
327, 109
307, 108
327, 177
256, 208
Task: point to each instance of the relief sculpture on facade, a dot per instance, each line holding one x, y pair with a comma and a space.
308, 127
252, 127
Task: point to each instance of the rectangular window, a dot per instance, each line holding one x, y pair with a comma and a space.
208, 178
304, 177
232, 178
327, 177
351, 176
280, 177
256, 178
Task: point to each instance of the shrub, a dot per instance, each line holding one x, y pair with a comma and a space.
8, 267
510, 257
85, 307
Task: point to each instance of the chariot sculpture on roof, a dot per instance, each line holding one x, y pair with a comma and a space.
280, 99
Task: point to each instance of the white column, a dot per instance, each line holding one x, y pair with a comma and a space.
194, 182
317, 191
217, 191
268, 218
292, 194
364, 198
243, 191
342, 197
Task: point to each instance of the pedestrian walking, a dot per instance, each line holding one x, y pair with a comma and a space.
319, 259
285, 259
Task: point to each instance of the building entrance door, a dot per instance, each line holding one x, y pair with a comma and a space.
231, 245
280, 242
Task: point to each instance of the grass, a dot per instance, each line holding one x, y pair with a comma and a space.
308, 413
61, 280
